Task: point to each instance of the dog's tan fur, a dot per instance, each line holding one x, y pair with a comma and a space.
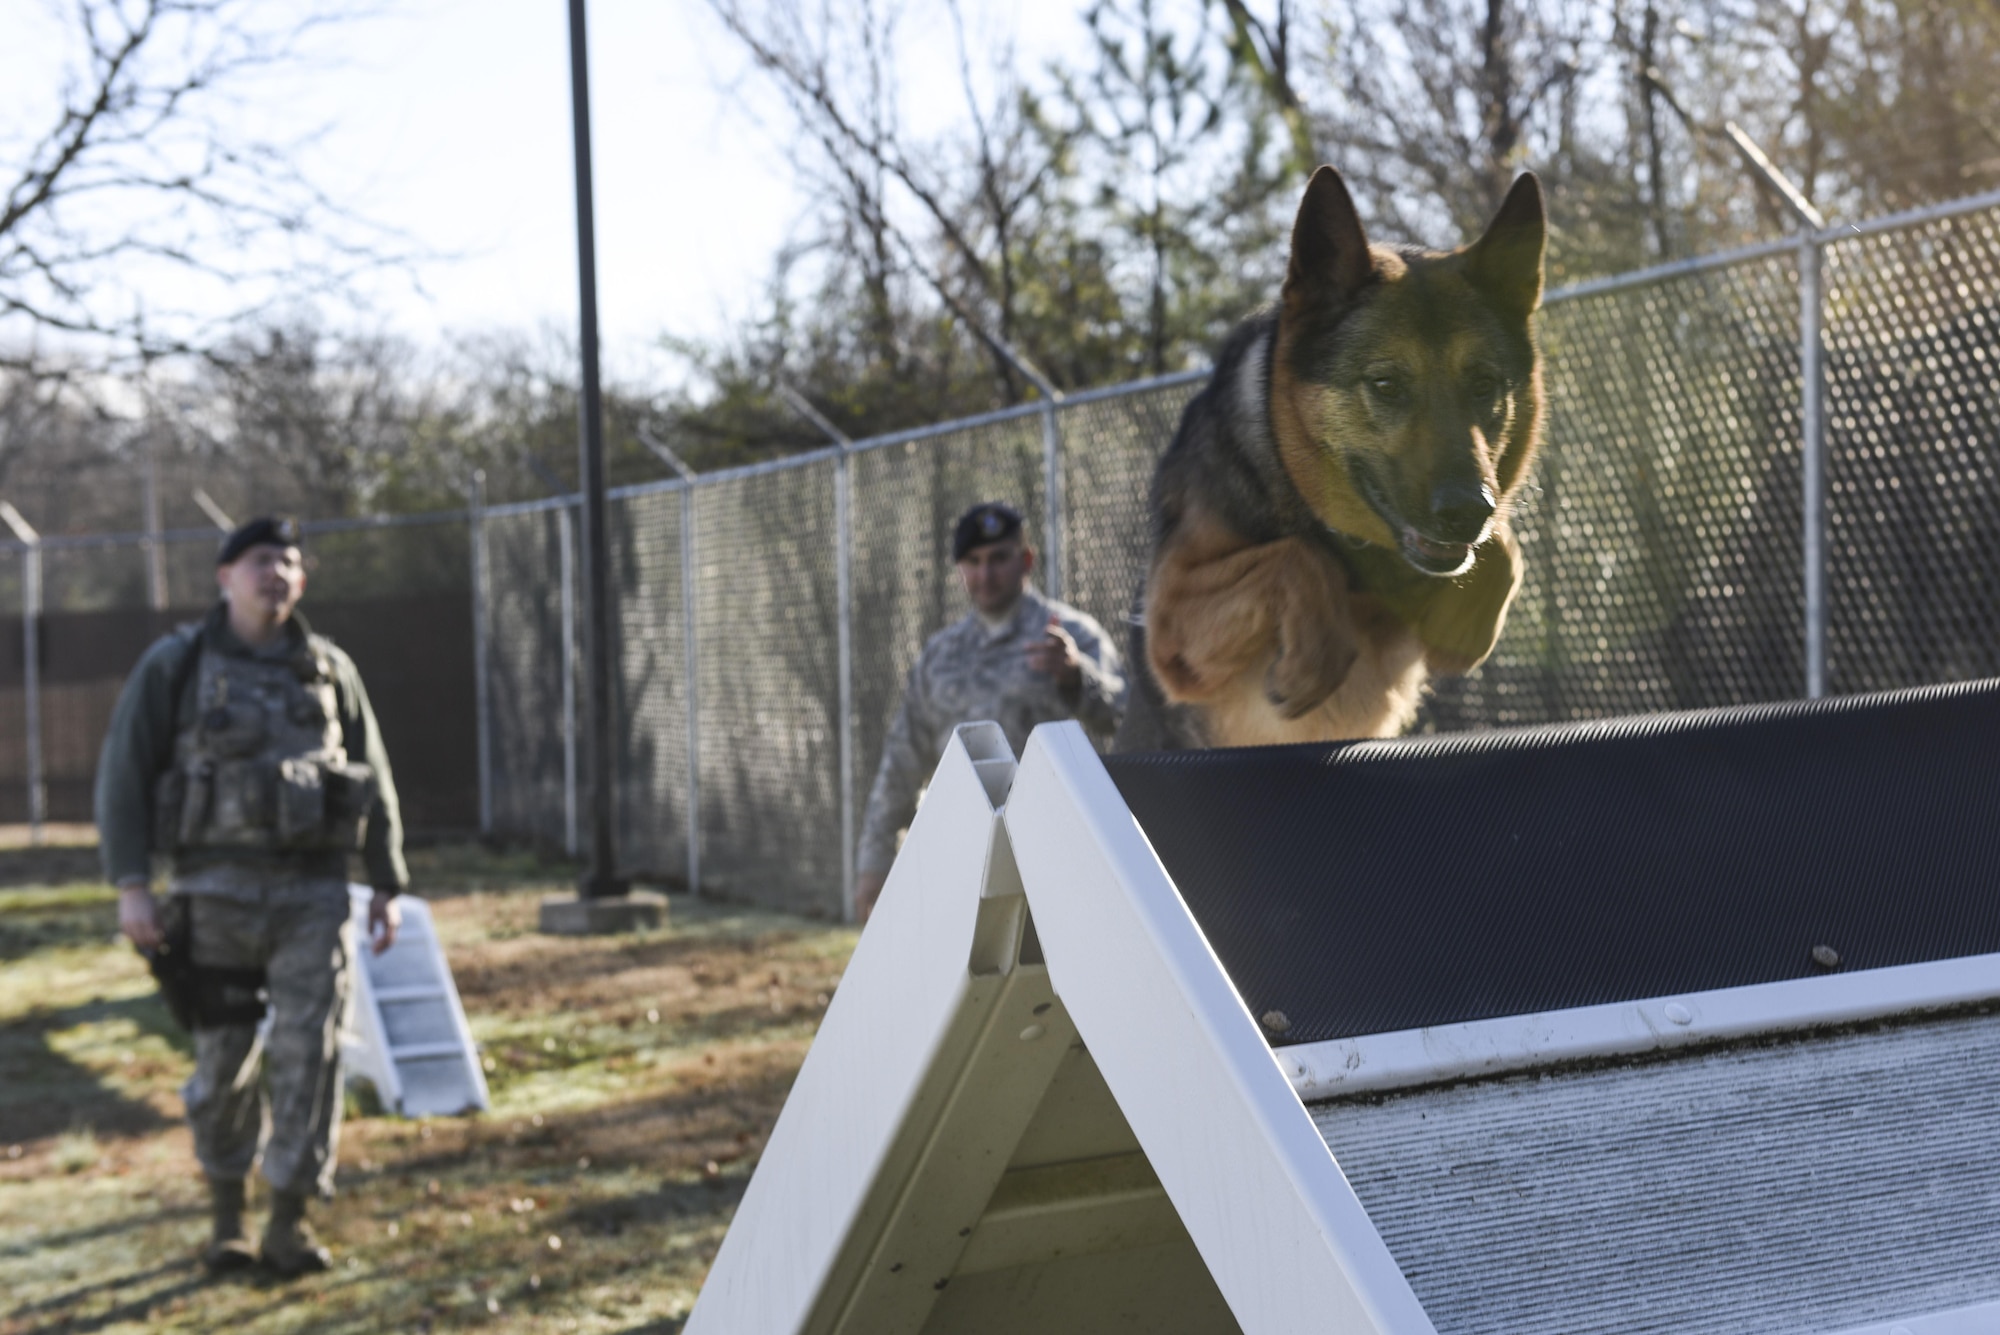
1283, 604
1241, 628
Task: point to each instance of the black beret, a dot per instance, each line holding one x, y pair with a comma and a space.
989, 521
277, 530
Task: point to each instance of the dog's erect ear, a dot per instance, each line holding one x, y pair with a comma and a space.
1329, 250
1506, 263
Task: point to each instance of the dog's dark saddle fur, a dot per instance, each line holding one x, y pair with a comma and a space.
1227, 426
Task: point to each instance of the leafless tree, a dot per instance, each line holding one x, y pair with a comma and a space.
953, 215
1867, 104
1433, 105
163, 197
1265, 48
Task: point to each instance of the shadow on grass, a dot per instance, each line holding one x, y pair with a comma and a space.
133, 1300
621, 1235
281, 1292
136, 1309
721, 1119
670, 1202
37, 926
43, 1092
130, 1307
36, 1242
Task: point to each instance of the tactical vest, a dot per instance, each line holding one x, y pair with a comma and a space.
258, 760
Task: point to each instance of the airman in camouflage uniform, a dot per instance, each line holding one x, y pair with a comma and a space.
1017, 659
247, 750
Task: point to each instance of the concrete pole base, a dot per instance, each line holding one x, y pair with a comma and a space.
575, 915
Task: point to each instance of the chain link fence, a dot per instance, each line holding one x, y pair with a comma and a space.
526, 599
1913, 422
1665, 532
77, 611
652, 539
1661, 531
1766, 474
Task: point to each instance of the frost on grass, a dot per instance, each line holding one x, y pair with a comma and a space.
75, 1150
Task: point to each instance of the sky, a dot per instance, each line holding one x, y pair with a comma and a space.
449, 120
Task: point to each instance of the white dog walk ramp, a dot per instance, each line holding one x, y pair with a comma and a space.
1685, 1023
406, 1032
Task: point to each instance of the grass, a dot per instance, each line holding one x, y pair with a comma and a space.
634, 1080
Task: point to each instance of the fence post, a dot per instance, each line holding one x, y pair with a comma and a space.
155, 545
1812, 427
843, 568
691, 668
689, 621
31, 664
1052, 497
843, 579
475, 521
1812, 395
31, 683
566, 535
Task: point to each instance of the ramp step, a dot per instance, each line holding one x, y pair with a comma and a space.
413, 992
425, 1051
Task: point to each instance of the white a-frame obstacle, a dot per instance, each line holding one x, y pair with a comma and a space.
406, 1032
1689, 1023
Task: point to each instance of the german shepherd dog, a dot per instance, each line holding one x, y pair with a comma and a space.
1330, 521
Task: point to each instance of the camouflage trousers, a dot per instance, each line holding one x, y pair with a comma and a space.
301, 937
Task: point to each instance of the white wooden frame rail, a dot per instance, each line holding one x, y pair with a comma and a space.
1283, 1235
918, 1084
950, 1158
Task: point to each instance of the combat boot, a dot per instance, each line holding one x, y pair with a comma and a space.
229, 1247
289, 1246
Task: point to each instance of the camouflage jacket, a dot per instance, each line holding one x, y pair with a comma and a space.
967, 673
139, 746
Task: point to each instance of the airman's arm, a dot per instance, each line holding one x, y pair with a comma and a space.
1100, 701
906, 764
382, 846
138, 748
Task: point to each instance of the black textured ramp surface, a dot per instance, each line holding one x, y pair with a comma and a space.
1373, 887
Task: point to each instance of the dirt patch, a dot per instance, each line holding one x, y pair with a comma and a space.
634, 1081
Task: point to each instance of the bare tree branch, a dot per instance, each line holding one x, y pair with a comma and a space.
1265, 50
848, 116
147, 180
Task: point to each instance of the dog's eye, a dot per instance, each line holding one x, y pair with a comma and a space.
1387, 387
1484, 387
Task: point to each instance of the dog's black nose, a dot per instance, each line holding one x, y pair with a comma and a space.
1459, 511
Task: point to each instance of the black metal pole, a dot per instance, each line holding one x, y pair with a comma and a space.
601, 879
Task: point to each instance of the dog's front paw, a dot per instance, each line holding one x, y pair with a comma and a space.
1184, 675
1318, 639
1462, 624
1178, 677
1450, 663
1310, 668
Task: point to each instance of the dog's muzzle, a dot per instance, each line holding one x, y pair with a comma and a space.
1434, 558
1433, 555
